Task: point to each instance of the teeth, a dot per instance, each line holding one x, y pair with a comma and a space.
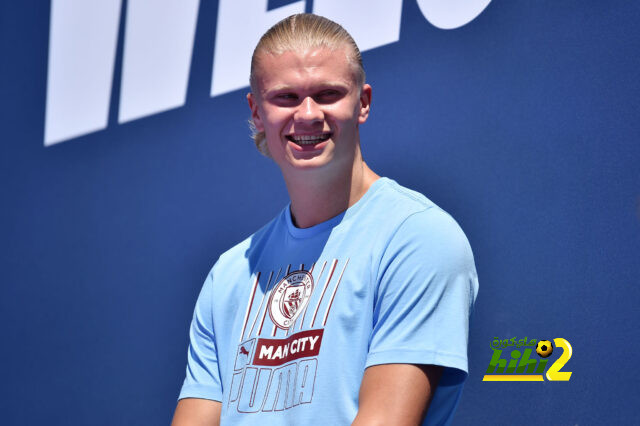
309, 139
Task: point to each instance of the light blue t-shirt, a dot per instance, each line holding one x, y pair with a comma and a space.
288, 320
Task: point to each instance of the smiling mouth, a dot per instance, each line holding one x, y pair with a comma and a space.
303, 140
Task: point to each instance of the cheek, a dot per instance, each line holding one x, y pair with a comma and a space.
346, 117
349, 110
275, 149
274, 121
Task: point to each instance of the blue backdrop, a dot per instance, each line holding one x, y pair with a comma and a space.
523, 124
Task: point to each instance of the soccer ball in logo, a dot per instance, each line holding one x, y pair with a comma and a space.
544, 348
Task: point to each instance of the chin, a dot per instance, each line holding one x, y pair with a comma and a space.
307, 164
311, 159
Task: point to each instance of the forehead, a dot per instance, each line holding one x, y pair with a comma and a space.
304, 69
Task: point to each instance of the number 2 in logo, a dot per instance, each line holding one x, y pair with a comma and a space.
554, 373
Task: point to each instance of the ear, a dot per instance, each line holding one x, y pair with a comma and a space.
365, 103
255, 113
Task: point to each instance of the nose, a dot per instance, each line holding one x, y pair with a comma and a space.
309, 111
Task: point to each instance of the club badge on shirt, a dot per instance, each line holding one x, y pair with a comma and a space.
289, 298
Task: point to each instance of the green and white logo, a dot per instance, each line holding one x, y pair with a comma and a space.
521, 366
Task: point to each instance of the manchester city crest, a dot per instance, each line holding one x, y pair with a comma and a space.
289, 298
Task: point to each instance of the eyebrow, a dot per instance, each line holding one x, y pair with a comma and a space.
285, 88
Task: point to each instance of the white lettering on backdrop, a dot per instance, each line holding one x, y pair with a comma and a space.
157, 56
450, 14
82, 51
240, 25
158, 48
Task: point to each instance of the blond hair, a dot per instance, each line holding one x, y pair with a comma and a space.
298, 33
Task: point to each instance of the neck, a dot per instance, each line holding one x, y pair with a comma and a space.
317, 196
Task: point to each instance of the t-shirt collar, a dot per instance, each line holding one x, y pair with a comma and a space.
334, 221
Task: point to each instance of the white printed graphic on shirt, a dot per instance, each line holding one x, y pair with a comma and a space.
277, 372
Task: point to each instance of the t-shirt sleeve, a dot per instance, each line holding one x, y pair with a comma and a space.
203, 374
427, 284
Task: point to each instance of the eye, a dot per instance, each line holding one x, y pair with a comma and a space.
287, 96
329, 95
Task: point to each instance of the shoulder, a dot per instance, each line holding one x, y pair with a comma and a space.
417, 226
435, 239
397, 202
404, 210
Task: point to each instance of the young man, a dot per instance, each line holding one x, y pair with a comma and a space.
353, 304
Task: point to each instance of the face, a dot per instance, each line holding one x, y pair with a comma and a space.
310, 106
